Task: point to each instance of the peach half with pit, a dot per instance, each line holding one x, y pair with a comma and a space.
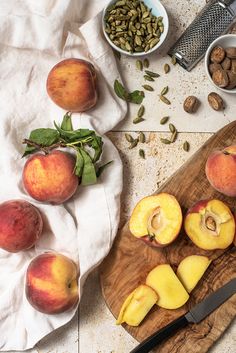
170, 290
221, 170
156, 219
137, 305
210, 224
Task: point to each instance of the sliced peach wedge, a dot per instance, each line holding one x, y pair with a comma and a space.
210, 225
191, 269
156, 219
137, 305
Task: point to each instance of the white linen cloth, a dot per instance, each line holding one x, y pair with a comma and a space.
34, 36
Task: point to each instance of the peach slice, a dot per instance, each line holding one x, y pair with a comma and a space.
210, 224
191, 269
171, 292
137, 305
156, 219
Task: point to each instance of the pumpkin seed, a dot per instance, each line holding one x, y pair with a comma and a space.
148, 78
139, 65
173, 136
129, 138
138, 120
165, 141
165, 100
164, 120
164, 91
173, 60
166, 68
153, 42
133, 144
141, 153
186, 146
142, 137
141, 111
172, 128
148, 88
151, 73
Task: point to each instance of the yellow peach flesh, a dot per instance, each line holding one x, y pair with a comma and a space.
137, 305
171, 292
191, 269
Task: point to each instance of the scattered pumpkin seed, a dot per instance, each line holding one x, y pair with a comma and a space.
148, 78
166, 68
148, 88
164, 91
141, 153
173, 136
165, 100
165, 141
139, 65
133, 144
142, 137
141, 111
137, 120
172, 128
164, 120
173, 60
186, 146
129, 138
151, 73
146, 63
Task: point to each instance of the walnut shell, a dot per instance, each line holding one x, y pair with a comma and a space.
215, 101
233, 65
191, 104
220, 78
213, 67
226, 63
217, 55
231, 52
232, 80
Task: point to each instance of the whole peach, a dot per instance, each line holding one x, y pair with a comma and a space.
20, 225
50, 178
51, 283
71, 84
221, 170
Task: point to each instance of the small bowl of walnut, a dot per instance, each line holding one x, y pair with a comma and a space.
220, 63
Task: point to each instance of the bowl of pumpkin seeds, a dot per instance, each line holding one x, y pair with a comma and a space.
135, 27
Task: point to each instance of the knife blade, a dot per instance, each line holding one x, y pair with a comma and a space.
195, 315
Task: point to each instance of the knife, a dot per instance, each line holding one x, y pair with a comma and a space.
195, 315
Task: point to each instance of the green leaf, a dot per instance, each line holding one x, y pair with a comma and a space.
121, 91
79, 165
137, 97
74, 135
66, 124
43, 137
133, 97
89, 176
96, 144
101, 169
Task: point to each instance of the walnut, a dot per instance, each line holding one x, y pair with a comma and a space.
215, 101
191, 104
217, 55
220, 78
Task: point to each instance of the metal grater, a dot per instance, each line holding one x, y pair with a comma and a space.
215, 19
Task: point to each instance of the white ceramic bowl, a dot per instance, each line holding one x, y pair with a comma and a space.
157, 10
227, 40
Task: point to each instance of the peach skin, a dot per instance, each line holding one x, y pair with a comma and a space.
71, 84
20, 225
51, 283
50, 178
221, 170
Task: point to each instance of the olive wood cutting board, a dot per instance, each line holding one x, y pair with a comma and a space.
130, 260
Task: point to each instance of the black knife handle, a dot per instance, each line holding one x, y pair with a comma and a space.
160, 335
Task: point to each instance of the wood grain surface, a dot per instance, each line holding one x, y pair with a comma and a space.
130, 260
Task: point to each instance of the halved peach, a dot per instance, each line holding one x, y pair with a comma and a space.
156, 219
171, 292
191, 269
137, 305
210, 224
